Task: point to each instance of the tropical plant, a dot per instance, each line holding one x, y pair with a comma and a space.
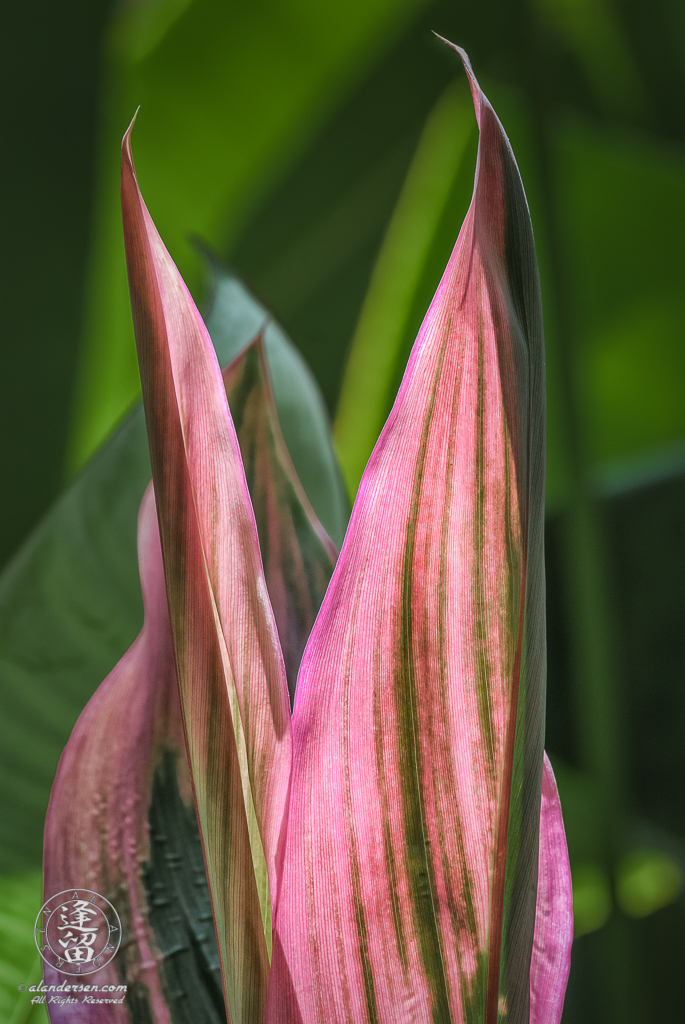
393, 849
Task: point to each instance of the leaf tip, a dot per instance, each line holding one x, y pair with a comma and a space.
473, 81
126, 154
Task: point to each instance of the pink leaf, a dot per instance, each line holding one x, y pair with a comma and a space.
230, 668
97, 833
554, 912
298, 555
411, 858
121, 819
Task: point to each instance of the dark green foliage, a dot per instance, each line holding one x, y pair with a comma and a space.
180, 909
234, 318
49, 70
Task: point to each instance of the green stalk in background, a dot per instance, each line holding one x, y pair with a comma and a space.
186, 64
595, 664
378, 353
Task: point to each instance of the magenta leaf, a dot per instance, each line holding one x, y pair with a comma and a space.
402, 832
554, 912
411, 858
123, 772
297, 553
232, 681
126, 759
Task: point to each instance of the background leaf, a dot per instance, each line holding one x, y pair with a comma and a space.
235, 315
297, 554
188, 74
21, 896
387, 322
70, 600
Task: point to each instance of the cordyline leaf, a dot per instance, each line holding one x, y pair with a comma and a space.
297, 554
132, 833
231, 674
121, 822
70, 602
411, 860
551, 960
233, 317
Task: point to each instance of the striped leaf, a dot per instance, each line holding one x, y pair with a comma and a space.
297, 554
411, 858
121, 822
235, 316
70, 604
230, 668
126, 759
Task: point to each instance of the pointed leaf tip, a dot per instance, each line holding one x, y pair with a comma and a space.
126, 141
412, 860
302, 414
230, 667
476, 90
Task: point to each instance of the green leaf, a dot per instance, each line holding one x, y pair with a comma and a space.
70, 606
596, 37
234, 316
413, 255
187, 64
20, 963
622, 202
647, 880
297, 554
70, 602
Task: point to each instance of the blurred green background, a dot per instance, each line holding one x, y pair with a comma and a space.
326, 153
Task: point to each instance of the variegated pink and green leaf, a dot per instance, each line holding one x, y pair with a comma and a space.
297, 554
131, 832
232, 680
411, 861
121, 822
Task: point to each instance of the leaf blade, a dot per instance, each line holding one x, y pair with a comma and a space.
553, 937
127, 744
233, 318
70, 607
128, 749
70, 599
423, 842
230, 667
297, 553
